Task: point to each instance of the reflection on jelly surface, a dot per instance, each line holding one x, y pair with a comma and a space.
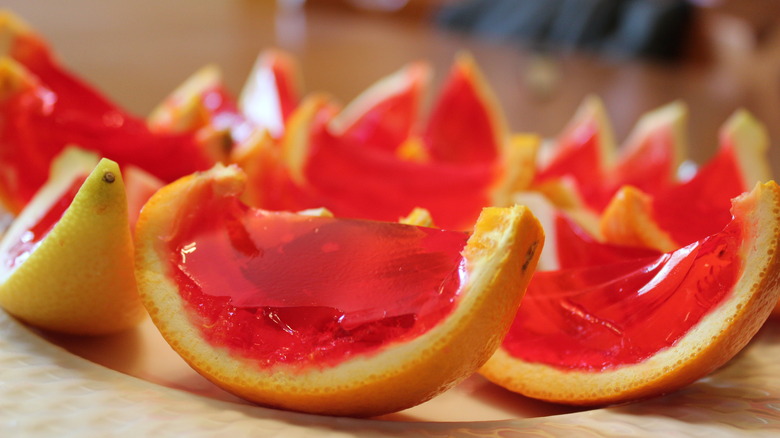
600, 317
278, 287
31, 238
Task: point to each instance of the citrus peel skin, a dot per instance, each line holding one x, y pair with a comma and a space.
80, 278
628, 220
715, 339
500, 256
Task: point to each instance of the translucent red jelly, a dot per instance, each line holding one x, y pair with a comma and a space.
387, 124
578, 157
283, 288
650, 170
374, 185
601, 317
460, 128
370, 183
700, 206
576, 248
30, 239
271, 94
61, 110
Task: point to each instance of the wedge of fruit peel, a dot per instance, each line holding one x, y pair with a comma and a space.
312, 149
73, 273
588, 139
202, 107
364, 379
572, 236
195, 104
704, 303
653, 152
18, 37
749, 142
628, 220
690, 210
466, 123
314, 113
518, 164
259, 156
387, 114
272, 91
309, 156
677, 214
586, 155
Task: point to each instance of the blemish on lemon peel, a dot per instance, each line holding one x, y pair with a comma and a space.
84, 243
109, 177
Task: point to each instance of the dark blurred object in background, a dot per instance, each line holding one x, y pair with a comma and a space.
655, 29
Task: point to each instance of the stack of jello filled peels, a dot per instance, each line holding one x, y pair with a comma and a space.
647, 282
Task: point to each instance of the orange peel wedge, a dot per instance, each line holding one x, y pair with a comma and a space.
719, 335
500, 256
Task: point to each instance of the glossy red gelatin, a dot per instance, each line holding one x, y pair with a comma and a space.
373, 184
700, 206
30, 239
390, 121
271, 93
285, 288
577, 248
601, 317
579, 158
651, 170
460, 128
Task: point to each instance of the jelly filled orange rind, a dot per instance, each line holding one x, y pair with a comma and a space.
714, 340
500, 257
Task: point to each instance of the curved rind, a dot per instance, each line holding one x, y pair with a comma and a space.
750, 142
184, 109
501, 256
413, 79
710, 344
628, 220
80, 279
672, 117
